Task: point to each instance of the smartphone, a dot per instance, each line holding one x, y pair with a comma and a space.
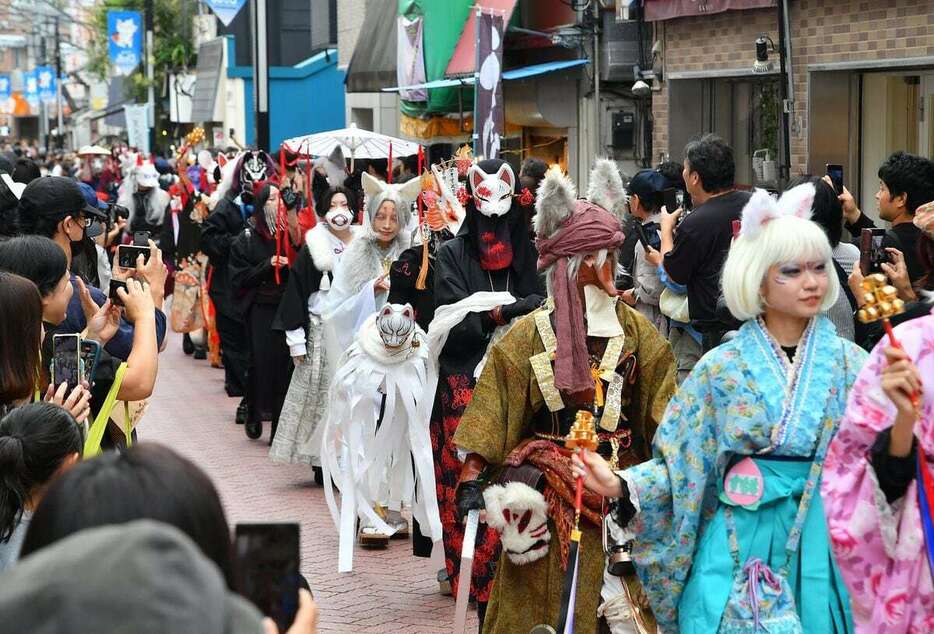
640, 233
835, 172
127, 254
66, 361
266, 561
112, 294
670, 199
871, 252
90, 353
141, 239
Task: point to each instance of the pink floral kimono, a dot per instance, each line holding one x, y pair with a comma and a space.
879, 546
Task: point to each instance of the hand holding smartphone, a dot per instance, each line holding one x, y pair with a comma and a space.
267, 569
872, 255
835, 172
67, 366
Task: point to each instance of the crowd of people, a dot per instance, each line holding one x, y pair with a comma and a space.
427, 335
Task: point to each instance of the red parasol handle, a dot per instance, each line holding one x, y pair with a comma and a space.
579, 494
389, 165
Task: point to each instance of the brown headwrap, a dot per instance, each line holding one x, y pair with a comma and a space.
589, 229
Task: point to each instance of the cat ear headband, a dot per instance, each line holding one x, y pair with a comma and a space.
762, 208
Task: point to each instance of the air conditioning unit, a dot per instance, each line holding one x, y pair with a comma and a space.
619, 48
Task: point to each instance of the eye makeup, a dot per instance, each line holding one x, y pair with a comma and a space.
792, 270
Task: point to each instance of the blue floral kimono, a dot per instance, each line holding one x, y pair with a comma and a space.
744, 398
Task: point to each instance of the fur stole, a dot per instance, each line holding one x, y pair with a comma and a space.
321, 243
362, 261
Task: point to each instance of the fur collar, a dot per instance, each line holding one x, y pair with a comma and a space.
362, 261
321, 245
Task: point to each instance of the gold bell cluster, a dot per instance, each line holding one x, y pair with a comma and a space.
583, 433
880, 300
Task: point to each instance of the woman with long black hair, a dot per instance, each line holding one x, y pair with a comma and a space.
38, 441
259, 270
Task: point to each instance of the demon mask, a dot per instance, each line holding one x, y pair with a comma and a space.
253, 169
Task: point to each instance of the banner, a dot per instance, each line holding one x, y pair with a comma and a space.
225, 10
137, 126
5, 92
489, 122
125, 40
32, 89
410, 60
45, 80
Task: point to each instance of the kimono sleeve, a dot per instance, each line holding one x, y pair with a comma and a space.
245, 273
672, 491
871, 538
495, 421
304, 279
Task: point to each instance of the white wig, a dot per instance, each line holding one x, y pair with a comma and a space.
788, 238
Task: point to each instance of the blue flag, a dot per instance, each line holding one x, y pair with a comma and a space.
125, 40
225, 10
32, 88
45, 81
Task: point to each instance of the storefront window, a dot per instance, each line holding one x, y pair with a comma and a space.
744, 111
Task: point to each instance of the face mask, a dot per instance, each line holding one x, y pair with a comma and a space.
601, 313
338, 218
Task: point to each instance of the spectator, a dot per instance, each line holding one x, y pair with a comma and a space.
906, 182
674, 179
21, 311
147, 481
40, 260
693, 256
144, 577
54, 207
827, 211
917, 304
645, 204
38, 442
25, 171
10, 193
532, 172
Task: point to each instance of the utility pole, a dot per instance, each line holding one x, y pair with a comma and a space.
260, 75
59, 138
150, 75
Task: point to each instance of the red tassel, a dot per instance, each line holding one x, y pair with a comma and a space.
389, 165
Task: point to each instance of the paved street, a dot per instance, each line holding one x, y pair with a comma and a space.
388, 591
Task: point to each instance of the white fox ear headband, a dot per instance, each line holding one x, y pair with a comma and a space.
762, 208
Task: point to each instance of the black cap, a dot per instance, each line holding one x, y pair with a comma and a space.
56, 197
646, 184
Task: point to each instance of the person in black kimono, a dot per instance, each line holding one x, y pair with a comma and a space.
492, 252
299, 317
411, 281
234, 204
259, 270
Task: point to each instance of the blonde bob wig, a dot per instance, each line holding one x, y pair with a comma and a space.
781, 240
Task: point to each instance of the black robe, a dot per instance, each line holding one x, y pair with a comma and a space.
304, 279
257, 295
458, 274
403, 274
219, 230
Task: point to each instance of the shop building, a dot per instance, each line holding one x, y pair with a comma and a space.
862, 76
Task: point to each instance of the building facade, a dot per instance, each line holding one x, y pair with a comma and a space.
863, 86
